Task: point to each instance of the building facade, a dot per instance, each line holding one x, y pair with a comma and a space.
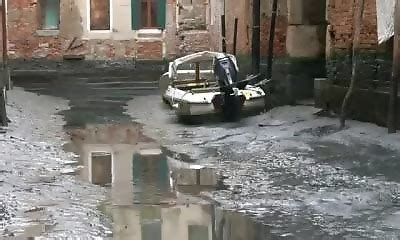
106, 29
165, 29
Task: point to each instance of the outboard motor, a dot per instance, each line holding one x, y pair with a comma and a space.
227, 76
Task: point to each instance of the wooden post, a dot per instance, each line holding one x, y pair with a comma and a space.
356, 50
4, 81
255, 42
271, 38
235, 32
223, 33
197, 71
6, 75
392, 113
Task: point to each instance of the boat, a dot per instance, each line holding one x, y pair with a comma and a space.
207, 83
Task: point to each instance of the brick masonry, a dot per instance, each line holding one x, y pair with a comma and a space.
374, 61
243, 11
25, 42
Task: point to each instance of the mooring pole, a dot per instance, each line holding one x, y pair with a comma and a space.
197, 71
272, 38
223, 33
355, 60
3, 81
235, 32
255, 41
392, 113
6, 75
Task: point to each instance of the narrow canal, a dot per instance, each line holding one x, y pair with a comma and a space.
144, 189
129, 170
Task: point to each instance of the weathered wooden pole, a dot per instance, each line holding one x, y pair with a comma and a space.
356, 50
6, 75
3, 81
235, 32
271, 38
223, 33
3, 112
255, 41
392, 113
197, 71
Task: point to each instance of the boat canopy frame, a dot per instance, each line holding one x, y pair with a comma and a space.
198, 57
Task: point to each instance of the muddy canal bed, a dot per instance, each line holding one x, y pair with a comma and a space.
92, 158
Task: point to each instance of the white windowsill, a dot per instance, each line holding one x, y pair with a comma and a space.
150, 33
100, 31
47, 33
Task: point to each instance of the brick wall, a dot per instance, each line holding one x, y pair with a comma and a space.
149, 50
280, 36
193, 41
340, 36
340, 17
25, 42
243, 10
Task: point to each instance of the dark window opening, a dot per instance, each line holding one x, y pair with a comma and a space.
100, 15
148, 13
50, 14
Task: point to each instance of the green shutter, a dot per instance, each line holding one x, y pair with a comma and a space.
135, 17
161, 10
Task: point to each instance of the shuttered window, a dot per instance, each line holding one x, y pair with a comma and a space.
148, 14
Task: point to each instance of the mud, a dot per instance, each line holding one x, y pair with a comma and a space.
286, 174
303, 178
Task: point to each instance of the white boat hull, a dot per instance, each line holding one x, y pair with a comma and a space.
196, 104
193, 93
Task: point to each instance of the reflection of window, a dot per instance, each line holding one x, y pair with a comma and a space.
198, 232
50, 14
100, 165
150, 217
100, 15
148, 14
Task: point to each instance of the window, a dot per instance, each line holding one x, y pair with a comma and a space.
50, 14
148, 14
100, 15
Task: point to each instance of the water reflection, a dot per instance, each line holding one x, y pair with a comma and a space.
151, 197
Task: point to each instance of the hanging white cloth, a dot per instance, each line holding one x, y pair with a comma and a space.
385, 14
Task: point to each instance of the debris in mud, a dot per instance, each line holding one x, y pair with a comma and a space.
272, 123
278, 123
319, 131
326, 113
35, 209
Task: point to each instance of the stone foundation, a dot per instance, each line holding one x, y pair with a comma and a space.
365, 105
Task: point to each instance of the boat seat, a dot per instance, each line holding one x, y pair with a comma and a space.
187, 81
197, 85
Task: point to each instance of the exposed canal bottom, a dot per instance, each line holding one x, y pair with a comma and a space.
151, 195
289, 174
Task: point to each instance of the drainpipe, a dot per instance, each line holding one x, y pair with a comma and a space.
255, 43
